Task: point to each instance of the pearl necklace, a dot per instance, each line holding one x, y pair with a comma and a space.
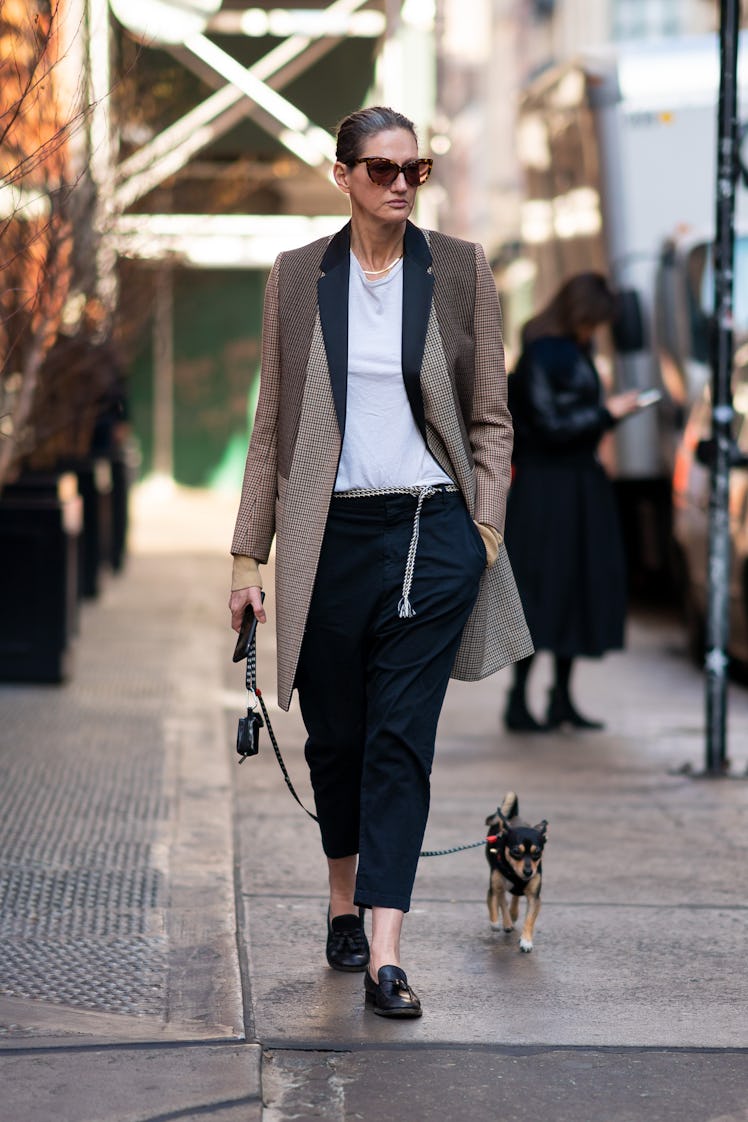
376, 272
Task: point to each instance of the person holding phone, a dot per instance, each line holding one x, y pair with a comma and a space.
380, 460
562, 528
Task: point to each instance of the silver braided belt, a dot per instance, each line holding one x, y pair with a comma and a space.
404, 608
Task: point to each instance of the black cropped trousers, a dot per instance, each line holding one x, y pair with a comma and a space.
371, 684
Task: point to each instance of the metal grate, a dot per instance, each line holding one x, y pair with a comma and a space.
116, 976
84, 813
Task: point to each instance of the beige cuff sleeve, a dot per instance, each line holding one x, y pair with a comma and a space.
492, 539
245, 573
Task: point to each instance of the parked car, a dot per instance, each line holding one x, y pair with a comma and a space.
691, 485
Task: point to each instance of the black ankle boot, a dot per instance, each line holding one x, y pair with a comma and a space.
562, 712
517, 717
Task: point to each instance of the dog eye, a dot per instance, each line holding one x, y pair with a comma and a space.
517, 851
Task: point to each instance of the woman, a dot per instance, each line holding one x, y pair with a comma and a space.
562, 526
380, 459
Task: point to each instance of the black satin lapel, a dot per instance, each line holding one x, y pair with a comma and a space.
332, 300
418, 287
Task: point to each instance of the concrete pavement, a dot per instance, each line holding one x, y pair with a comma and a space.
133, 850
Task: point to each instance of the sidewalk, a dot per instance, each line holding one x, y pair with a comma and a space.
118, 926
132, 849
641, 940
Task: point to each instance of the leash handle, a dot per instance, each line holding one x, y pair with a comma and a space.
251, 674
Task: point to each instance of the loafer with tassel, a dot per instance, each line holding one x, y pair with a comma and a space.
347, 945
391, 995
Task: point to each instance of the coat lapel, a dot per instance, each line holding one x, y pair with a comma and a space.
332, 298
418, 287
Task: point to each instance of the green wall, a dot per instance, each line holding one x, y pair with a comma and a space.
217, 326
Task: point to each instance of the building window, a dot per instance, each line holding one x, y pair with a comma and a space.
649, 19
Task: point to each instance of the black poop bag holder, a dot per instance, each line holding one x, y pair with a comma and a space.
248, 732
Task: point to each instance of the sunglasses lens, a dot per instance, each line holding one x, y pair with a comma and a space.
382, 172
417, 172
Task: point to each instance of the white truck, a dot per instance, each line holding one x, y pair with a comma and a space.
618, 151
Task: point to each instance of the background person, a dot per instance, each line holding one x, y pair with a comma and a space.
562, 527
380, 459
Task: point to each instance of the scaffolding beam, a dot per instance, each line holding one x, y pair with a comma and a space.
173, 148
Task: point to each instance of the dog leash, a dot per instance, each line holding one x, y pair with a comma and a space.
279, 758
453, 849
254, 691
458, 848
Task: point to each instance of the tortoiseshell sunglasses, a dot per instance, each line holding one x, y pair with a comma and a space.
384, 172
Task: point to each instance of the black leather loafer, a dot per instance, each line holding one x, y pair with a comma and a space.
347, 945
391, 996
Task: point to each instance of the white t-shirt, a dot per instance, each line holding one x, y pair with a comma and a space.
382, 446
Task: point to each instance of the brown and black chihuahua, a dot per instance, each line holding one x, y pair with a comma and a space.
514, 852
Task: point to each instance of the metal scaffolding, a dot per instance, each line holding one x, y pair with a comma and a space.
253, 92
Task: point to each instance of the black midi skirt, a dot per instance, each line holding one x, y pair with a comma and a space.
564, 542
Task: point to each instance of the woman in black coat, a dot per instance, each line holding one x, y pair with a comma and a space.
562, 531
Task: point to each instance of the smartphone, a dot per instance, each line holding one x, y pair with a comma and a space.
246, 632
648, 397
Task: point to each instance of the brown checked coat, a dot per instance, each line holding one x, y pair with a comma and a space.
453, 368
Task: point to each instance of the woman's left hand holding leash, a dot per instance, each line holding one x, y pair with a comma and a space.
239, 600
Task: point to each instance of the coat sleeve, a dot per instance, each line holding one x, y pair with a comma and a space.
554, 419
255, 521
490, 430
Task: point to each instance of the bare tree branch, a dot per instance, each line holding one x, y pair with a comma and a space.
36, 225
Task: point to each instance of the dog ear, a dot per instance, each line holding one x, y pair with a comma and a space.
542, 828
499, 824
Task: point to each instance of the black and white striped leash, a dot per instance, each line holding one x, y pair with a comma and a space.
254, 693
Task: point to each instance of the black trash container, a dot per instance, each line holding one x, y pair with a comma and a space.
41, 520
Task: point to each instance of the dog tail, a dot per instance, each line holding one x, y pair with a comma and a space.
510, 805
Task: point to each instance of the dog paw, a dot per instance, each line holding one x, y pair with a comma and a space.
508, 930
496, 926
525, 945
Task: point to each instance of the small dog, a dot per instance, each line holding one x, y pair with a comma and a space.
514, 851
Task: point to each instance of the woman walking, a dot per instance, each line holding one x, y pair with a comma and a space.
380, 459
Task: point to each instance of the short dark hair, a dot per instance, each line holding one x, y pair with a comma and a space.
354, 129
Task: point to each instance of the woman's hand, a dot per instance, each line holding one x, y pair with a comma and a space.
239, 600
622, 404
